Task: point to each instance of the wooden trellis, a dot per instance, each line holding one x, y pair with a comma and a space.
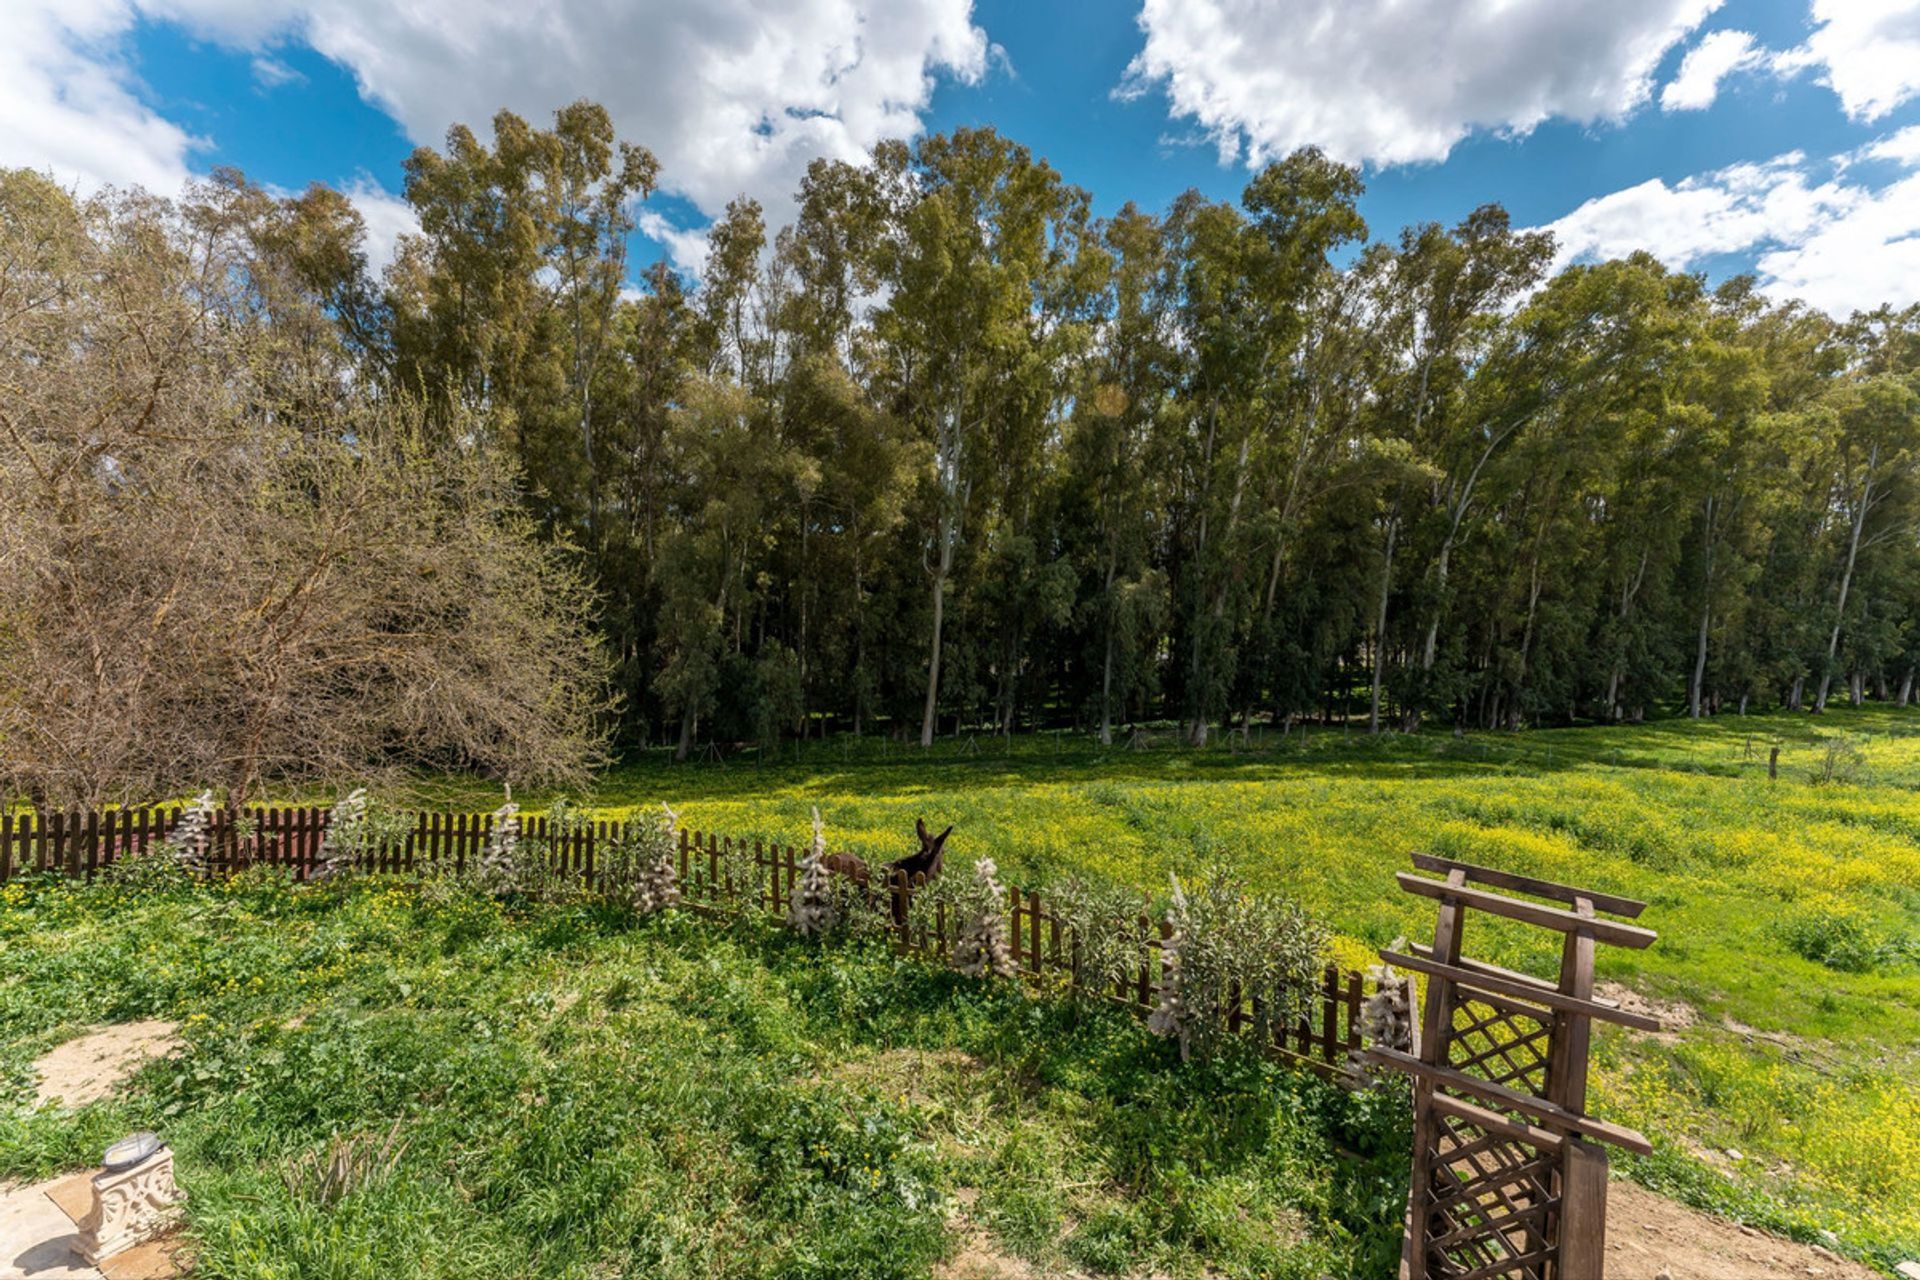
1509, 1171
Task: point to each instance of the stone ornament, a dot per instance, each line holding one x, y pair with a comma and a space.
132, 1202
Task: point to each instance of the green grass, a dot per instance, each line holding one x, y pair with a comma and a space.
1789, 915
583, 1095
1789, 910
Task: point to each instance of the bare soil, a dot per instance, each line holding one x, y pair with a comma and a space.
90, 1067
1649, 1237
1678, 1015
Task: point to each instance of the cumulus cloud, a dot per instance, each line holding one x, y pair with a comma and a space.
686, 249
1718, 55
69, 100
1839, 245
1867, 51
733, 95
1386, 82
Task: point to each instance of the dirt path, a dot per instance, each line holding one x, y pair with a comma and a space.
90, 1067
1649, 1237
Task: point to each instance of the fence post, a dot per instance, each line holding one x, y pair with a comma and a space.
1583, 1211
58, 856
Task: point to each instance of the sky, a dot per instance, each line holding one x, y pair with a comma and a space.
1778, 137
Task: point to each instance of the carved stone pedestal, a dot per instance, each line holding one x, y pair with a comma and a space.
130, 1205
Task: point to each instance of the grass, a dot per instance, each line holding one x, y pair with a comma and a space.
1788, 909
572, 1093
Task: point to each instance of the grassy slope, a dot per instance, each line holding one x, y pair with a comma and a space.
587, 1097
1809, 1069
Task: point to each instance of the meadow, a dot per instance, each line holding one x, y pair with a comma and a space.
584, 1095
1788, 908
574, 1093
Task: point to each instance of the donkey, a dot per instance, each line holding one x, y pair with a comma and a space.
904, 875
900, 876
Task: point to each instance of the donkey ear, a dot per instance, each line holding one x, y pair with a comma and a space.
942, 837
920, 825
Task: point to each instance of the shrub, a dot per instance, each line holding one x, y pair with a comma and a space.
1229, 945
1830, 932
643, 868
981, 947
359, 826
812, 909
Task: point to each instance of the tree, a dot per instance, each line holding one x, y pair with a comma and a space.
978, 230
228, 577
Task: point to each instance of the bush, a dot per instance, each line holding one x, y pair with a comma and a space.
1830, 932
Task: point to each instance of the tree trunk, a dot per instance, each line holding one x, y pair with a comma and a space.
1380, 625
688, 723
1906, 687
933, 663
1629, 590
1429, 650
1706, 616
1846, 576
1106, 666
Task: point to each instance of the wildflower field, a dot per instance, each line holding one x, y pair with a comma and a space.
581, 1093
1788, 909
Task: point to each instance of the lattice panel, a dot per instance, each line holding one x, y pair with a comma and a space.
1501, 1041
1489, 1204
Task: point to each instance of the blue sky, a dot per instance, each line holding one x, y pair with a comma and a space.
1776, 136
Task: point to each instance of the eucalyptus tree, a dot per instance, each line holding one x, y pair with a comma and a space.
1442, 300
1109, 509
979, 234
1872, 430
505, 302
947, 446
1246, 290
588, 182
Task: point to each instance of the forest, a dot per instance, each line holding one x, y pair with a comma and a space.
951, 453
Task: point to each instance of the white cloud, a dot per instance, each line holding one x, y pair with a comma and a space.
733, 95
69, 100
1900, 148
1856, 262
1718, 55
387, 216
1868, 52
1838, 245
270, 73
1391, 82
686, 249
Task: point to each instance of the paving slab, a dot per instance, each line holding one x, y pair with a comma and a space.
36, 1237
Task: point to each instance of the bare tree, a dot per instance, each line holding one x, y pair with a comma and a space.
221, 561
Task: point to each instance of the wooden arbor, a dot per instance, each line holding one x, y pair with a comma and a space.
1509, 1174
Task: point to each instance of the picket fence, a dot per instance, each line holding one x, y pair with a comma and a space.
1325, 1035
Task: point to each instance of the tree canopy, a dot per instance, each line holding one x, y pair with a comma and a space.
949, 451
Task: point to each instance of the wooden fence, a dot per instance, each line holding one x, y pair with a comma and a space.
719, 875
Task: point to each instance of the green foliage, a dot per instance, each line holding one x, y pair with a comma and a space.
1680, 814
358, 826
1829, 931
574, 1090
1261, 945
